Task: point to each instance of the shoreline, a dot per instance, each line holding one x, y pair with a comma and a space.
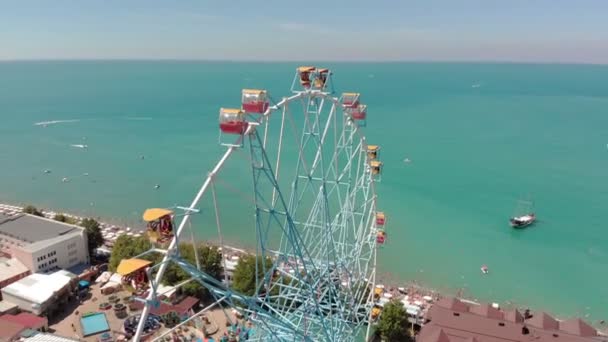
413, 288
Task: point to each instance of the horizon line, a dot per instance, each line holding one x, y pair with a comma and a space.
259, 61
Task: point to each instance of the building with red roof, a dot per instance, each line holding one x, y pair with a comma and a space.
10, 331
28, 320
454, 321
182, 308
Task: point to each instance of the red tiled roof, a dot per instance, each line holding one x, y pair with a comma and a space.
27, 320
576, 326
544, 321
481, 324
437, 335
165, 308
486, 310
9, 330
186, 304
453, 304
514, 316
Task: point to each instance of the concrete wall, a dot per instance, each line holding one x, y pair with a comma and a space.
25, 258
23, 304
62, 253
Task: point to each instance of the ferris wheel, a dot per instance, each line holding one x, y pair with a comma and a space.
313, 211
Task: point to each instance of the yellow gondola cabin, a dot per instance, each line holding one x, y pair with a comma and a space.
376, 312
372, 151
254, 101
160, 224
134, 271
321, 78
376, 167
304, 73
232, 121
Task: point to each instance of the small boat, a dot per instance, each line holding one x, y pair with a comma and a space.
522, 221
80, 145
524, 215
485, 269
47, 171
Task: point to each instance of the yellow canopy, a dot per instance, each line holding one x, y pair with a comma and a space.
380, 215
231, 111
350, 94
128, 266
306, 68
375, 163
378, 291
253, 91
372, 148
154, 214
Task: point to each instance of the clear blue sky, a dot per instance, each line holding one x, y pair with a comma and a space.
453, 30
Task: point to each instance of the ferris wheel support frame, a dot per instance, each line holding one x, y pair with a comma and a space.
171, 253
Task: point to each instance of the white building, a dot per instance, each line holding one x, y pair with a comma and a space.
41, 293
41, 244
11, 270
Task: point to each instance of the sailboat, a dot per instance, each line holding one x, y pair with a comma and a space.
524, 215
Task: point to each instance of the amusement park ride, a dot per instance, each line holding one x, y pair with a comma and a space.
324, 223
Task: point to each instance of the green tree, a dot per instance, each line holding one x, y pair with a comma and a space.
94, 237
393, 324
127, 247
245, 273
210, 259
30, 209
60, 218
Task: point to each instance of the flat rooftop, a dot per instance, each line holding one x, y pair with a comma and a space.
10, 268
38, 288
29, 228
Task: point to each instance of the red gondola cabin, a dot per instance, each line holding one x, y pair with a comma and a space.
304, 73
254, 101
380, 219
350, 100
232, 121
380, 237
359, 113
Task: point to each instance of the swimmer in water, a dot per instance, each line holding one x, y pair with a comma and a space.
157, 186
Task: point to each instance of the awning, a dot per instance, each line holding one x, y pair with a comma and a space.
155, 213
129, 266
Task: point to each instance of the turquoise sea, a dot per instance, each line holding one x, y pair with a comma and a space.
479, 136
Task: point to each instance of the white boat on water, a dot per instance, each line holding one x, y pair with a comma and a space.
522, 221
485, 269
524, 215
79, 145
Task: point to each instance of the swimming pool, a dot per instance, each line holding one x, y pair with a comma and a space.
94, 323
